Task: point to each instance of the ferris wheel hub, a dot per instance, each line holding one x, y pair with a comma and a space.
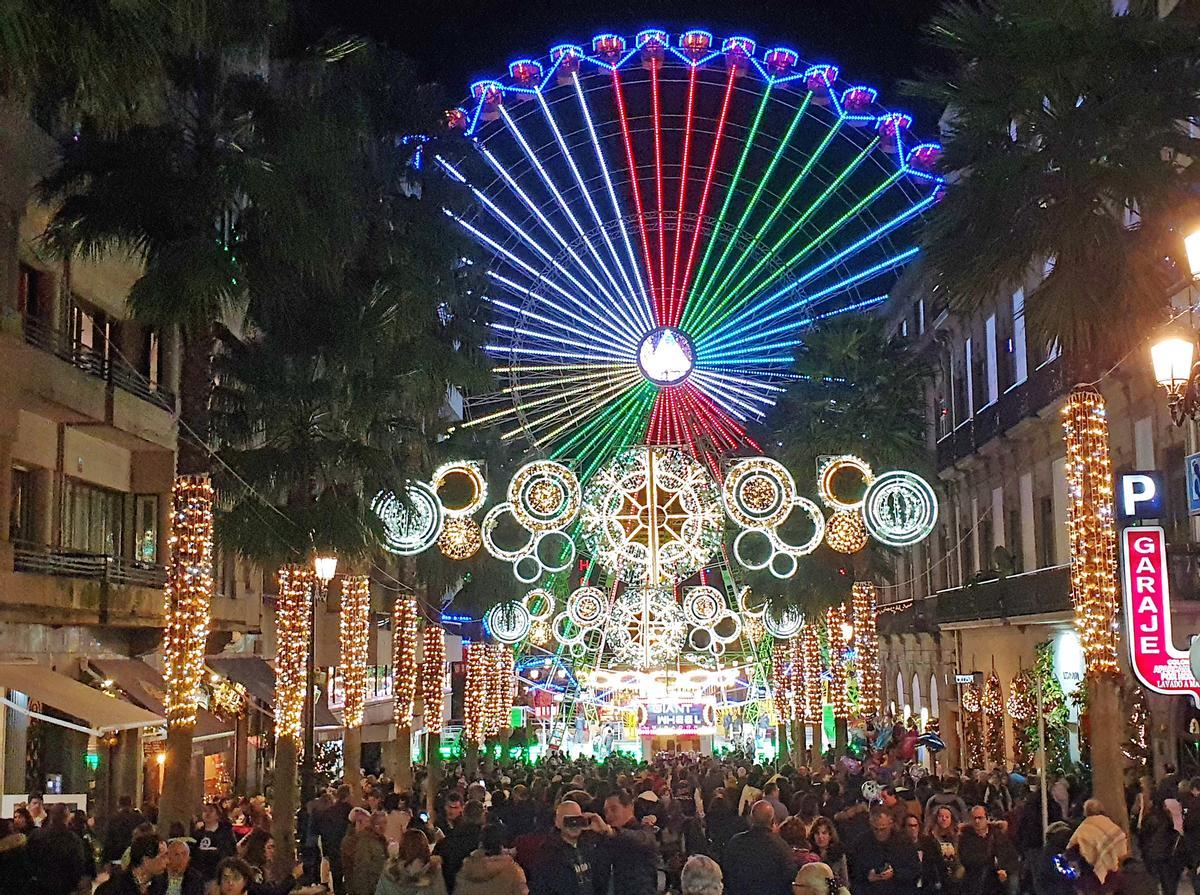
666, 356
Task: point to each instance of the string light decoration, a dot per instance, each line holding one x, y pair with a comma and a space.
837, 620
973, 725
227, 698
842, 467
187, 595
866, 646
1137, 744
460, 539
354, 630
782, 672
404, 661
433, 675
1022, 709
1090, 530
846, 532
500, 690
475, 692
992, 705
291, 649
810, 647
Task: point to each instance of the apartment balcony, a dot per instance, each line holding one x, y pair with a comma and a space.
1011, 598
1044, 386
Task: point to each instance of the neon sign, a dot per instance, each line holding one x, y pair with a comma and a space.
1156, 662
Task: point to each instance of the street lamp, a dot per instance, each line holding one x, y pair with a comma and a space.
325, 568
1173, 357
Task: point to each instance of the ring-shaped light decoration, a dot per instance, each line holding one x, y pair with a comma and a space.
490, 520
736, 623
545, 495
783, 565
547, 603
460, 538
578, 650
750, 604
831, 469
566, 631
758, 492
413, 528
702, 605
566, 557
753, 566
508, 623
846, 532
818, 521
786, 626
900, 509
700, 639
528, 568
586, 606
474, 476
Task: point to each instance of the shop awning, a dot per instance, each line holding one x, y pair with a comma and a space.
99, 712
145, 687
253, 673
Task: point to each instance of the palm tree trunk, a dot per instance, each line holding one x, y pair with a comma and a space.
352, 763
1107, 723
283, 805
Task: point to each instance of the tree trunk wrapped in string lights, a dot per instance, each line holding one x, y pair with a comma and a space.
866, 646
1022, 709
782, 678
292, 632
973, 726
1093, 541
992, 706
836, 623
810, 654
404, 662
500, 691
354, 628
433, 674
476, 692
188, 597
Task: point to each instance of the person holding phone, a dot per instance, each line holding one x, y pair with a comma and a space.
569, 863
987, 855
884, 862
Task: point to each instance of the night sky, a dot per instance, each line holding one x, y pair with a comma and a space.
873, 41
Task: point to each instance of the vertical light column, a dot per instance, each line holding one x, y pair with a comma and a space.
291, 650
433, 673
837, 621
354, 629
404, 662
866, 646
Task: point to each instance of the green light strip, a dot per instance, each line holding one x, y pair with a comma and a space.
729, 193
731, 295
631, 405
712, 289
786, 267
630, 432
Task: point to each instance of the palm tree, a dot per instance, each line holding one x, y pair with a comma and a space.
1068, 127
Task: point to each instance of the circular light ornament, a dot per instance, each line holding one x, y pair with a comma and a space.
758, 492
413, 524
739, 545
836, 467
727, 628
646, 629
845, 532
784, 625
586, 605
540, 604
818, 522
900, 509
541, 633
544, 495
461, 538
751, 604
463, 473
490, 520
666, 356
702, 605
566, 631
508, 623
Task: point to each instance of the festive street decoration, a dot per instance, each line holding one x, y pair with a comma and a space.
586, 606
810, 658
866, 646
1090, 529
544, 495
845, 532
758, 492
991, 704
292, 631
647, 628
784, 622
460, 538
461, 474
404, 661
657, 293
508, 622
354, 630
900, 509
433, 674
832, 475
972, 721
411, 529
475, 691
1022, 709
837, 626
187, 595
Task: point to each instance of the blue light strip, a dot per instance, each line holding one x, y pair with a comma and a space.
526, 313
598, 324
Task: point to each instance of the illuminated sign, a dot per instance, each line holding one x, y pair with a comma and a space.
1156, 662
1140, 495
676, 717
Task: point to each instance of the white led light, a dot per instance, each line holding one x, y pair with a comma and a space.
665, 356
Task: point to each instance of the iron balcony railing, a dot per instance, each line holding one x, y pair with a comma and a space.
92, 361
39, 559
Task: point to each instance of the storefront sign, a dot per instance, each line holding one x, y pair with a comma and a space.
1156, 662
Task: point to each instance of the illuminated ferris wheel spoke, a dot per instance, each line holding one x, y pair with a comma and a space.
594, 322
684, 168
624, 424
618, 215
635, 188
597, 373
522, 315
715, 384
664, 299
589, 348
589, 404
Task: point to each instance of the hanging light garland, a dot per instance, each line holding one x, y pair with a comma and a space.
866, 646
187, 595
291, 649
404, 661
1090, 529
810, 647
433, 674
836, 623
973, 725
500, 691
354, 629
475, 692
992, 705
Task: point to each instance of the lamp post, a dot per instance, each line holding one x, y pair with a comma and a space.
1173, 357
324, 570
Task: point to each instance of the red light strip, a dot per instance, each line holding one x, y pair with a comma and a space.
653, 431
637, 192
674, 297
708, 182
664, 297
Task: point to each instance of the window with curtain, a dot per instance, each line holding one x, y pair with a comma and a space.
92, 518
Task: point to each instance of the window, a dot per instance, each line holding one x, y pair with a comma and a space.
92, 333
29, 287
986, 544
979, 374
1046, 516
20, 517
992, 393
92, 518
1013, 540
1017, 351
145, 528
961, 386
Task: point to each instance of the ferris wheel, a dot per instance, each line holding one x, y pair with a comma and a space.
663, 217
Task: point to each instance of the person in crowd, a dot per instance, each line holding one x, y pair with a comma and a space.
370, 854
943, 831
36, 807
179, 877
771, 794
147, 859
894, 806
815, 879
629, 852
360, 821
451, 813
948, 797
996, 794
751, 792
460, 841
23, 820
14, 860
331, 826
829, 851
883, 862
57, 857
119, 831
1101, 845
234, 877
214, 841
413, 869
79, 824
257, 849
1059, 805
929, 856
989, 859
722, 822
488, 870
701, 875
807, 808
568, 864
1045, 872
791, 831
758, 861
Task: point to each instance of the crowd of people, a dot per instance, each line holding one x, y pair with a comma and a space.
684, 825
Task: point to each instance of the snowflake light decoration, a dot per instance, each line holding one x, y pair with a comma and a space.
646, 629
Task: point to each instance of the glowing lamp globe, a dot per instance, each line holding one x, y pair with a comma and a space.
1191, 244
1172, 359
325, 568
665, 356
